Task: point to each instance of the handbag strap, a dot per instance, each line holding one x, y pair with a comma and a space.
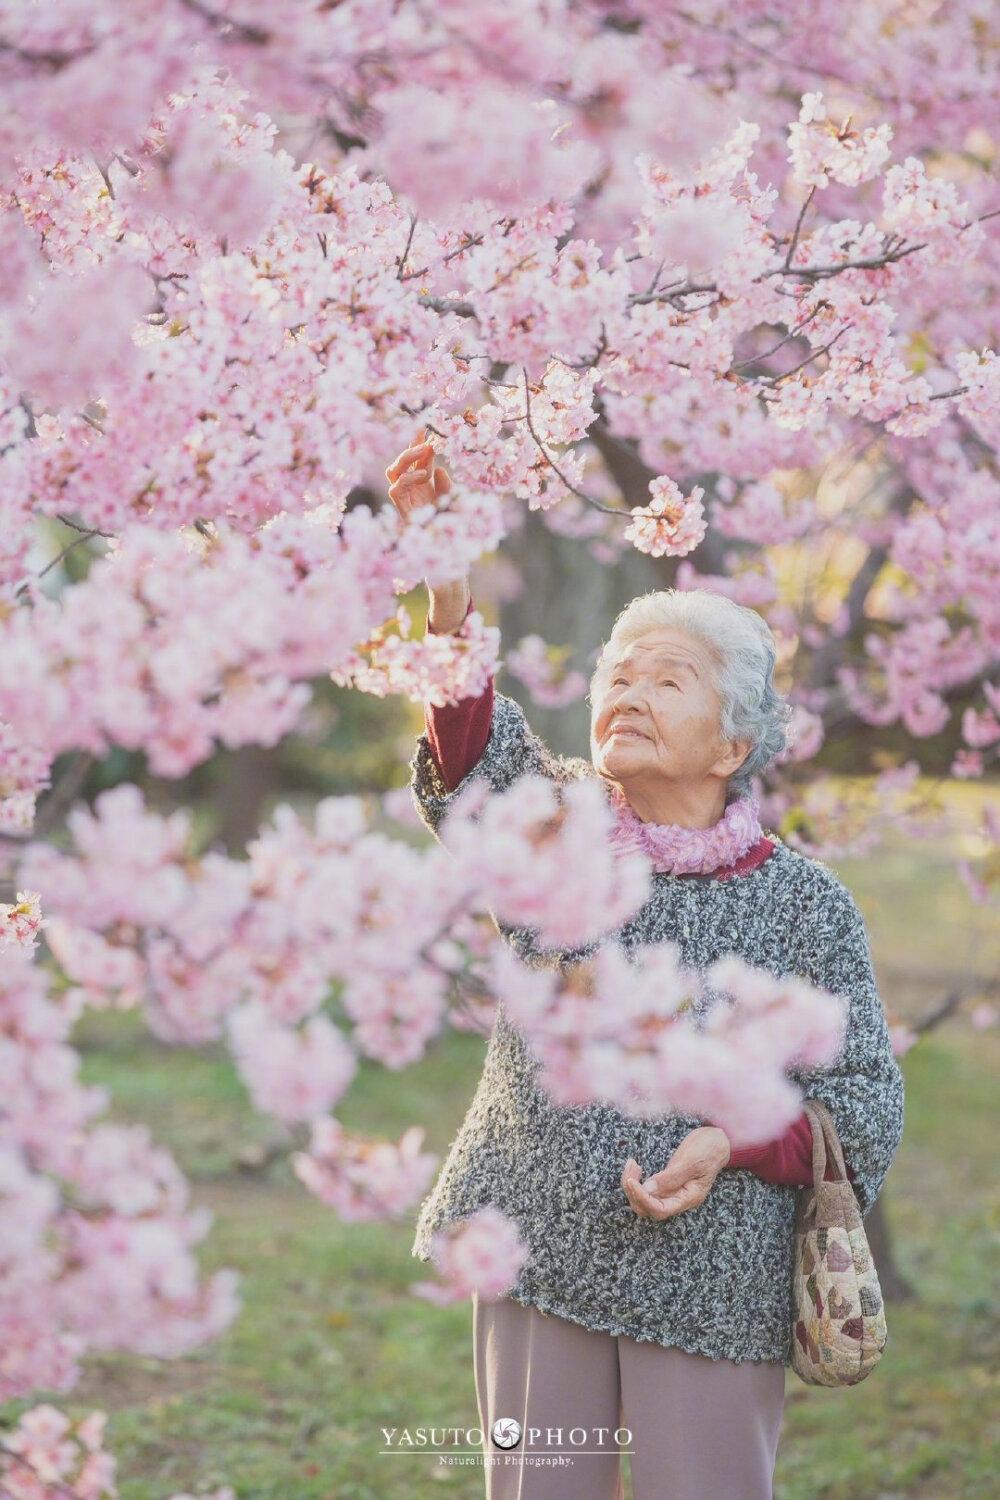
824, 1134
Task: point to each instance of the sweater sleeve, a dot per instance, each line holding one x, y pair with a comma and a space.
511, 750
863, 1088
457, 732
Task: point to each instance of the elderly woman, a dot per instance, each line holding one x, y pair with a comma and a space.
653, 1313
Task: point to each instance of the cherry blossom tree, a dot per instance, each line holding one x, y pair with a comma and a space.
703, 291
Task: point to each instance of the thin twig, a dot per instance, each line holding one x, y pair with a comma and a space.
476, 239
90, 530
775, 380
683, 289
76, 542
406, 248
228, 28
794, 334
611, 510
959, 390
798, 227
950, 1004
104, 171
868, 263
517, 266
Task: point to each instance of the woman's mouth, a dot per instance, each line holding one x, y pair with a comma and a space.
620, 731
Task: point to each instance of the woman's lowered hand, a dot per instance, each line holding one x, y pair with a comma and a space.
685, 1181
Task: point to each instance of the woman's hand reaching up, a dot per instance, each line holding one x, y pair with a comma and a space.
413, 479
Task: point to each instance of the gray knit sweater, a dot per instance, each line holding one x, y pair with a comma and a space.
716, 1279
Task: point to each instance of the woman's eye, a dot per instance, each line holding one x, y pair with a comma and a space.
668, 683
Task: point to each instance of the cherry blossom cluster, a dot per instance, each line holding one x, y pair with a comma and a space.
94, 1220
822, 152
362, 1179
850, 821
97, 1229
538, 859
20, 922
47, 1456
672, 524
216, 945
544, 672
250, 949
24, 772
911, 671
651, 1037
157, 648
429, 668
285, 317
483, 1253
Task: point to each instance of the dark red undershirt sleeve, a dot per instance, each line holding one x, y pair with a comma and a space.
787, 1160
457, 732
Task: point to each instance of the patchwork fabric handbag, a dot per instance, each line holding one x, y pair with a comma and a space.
838, 1316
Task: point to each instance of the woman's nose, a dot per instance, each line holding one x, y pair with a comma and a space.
634, 696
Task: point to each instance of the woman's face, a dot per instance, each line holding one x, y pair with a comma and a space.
658, 716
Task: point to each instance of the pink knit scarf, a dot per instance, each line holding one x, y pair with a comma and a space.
676, 850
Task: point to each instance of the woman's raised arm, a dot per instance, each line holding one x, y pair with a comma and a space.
458, 732
487, 736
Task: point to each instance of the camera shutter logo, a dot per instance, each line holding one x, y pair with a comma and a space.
506, 1432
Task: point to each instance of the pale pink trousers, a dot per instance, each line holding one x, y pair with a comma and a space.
695, 1428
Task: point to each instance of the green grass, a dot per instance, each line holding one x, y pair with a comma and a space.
331, 1345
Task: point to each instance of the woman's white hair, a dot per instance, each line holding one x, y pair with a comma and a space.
742, 650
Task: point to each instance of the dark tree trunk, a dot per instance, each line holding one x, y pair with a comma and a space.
569, 600
895, 1287
243, 779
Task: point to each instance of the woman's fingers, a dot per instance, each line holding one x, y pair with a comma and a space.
413, 479
409, 456
641, 1201
650, 1206
689, 1196
421, 449
414, 489
631, 1180
408, 488
406, 458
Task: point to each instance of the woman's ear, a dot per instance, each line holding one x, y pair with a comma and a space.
734, 754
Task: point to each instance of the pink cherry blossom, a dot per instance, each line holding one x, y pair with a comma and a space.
482, 1254
902, 1038
823, 151
362, 1179
291, 1075
671, 524
543, 673
20, 922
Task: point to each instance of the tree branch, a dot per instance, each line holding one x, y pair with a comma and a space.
59, 797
